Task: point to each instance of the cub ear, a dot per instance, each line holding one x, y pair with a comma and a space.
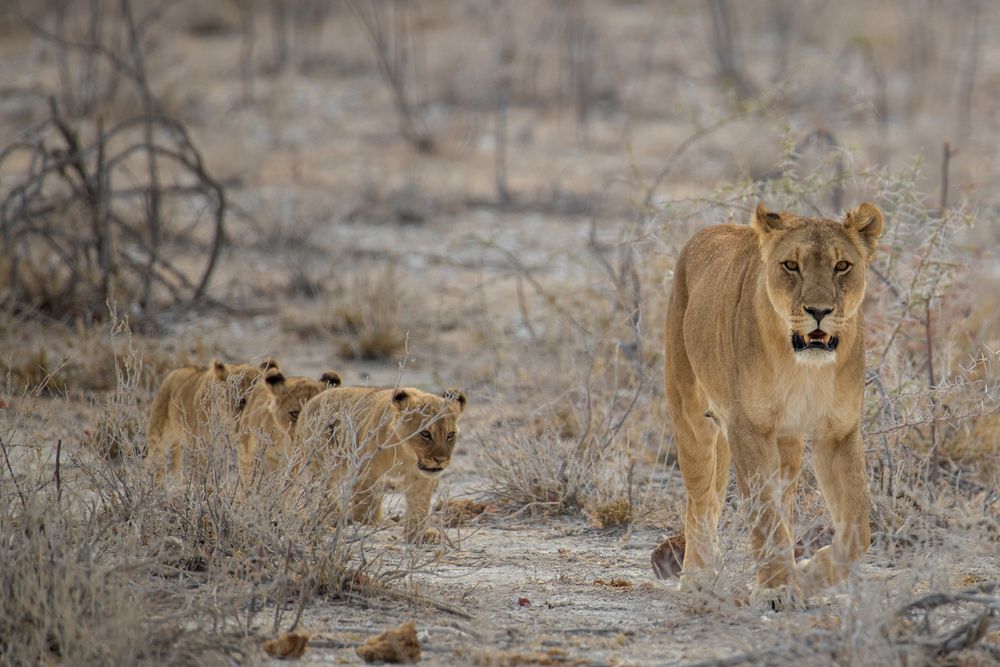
400, 397
765, 221
331, 378
867, 222
274, 377
268, 364
219, 369
456, 395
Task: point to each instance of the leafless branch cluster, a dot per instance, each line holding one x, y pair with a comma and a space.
390, 26
92, 213
87, 221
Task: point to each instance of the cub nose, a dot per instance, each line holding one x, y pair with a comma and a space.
818, 313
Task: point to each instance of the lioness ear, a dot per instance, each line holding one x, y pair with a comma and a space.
765, 221
274, 377
219, 369
331, 378
268, 364
457, 396
400, 397
867, 222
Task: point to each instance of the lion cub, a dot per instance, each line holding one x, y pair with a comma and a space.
188, 399
271, 415
371, 434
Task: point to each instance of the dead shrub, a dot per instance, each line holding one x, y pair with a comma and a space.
369, 324
36, 374
76, 234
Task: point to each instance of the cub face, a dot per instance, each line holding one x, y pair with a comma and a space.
289, 395
428, 426
815, 272
239, 380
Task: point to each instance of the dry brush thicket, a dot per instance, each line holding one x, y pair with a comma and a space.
105, 565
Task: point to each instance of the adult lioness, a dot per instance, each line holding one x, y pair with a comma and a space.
763, 345
187, 400
365, 435
270, 418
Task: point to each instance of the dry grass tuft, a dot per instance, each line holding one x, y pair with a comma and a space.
611, 514
369, 324
37, 374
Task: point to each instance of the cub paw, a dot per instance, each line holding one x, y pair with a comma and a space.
779, 598
426, 536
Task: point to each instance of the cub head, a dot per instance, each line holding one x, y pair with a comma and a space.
289, 395
428, 426
240, 379
815, 270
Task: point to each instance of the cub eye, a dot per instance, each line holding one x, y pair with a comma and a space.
426, 435
842, 266
451, 436
293, 414
791, 267
242, 403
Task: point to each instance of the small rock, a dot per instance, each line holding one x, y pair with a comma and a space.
291, 645
668, 558
397, 645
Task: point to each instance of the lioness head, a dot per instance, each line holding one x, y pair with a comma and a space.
239, 380
289, 395
428, 426
815, 271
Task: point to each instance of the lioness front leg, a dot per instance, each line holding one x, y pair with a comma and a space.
839, 466
759, 479
419, 490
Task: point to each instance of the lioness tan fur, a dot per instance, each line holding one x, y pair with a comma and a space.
187, 400
369, 435
763, 346
270, 417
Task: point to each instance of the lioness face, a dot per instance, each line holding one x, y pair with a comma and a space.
815, 274
429, 427
289, 395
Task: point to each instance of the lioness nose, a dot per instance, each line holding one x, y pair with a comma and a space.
818, 313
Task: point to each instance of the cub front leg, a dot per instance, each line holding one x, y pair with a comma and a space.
758, 476
366, 501
839, 466
419, 490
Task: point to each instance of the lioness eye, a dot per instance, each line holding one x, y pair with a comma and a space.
842, 266
451, 436
294, 414
791, 266
426, 435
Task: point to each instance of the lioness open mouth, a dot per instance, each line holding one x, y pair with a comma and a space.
428, 470
814, 340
